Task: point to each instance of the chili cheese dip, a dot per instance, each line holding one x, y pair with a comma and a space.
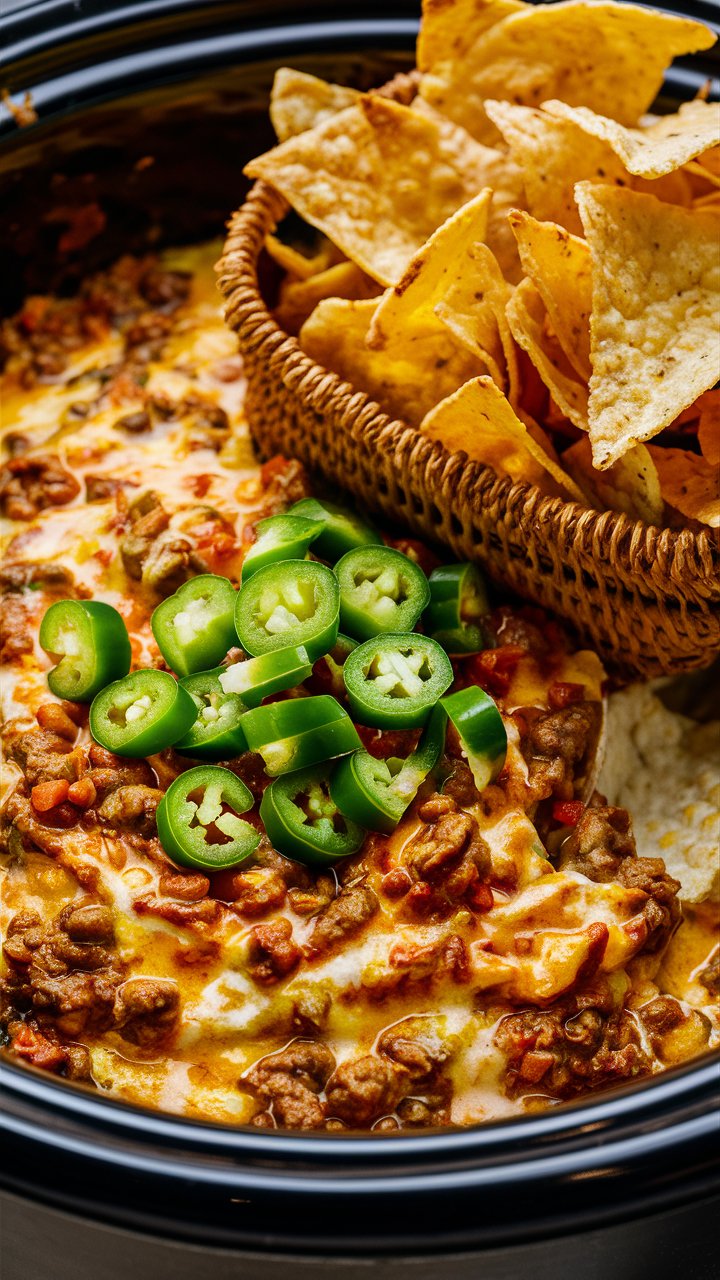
504, 947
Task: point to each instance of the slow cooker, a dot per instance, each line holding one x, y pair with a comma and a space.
626, 1184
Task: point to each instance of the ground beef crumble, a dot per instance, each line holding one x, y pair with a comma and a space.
67, 980
581, 1043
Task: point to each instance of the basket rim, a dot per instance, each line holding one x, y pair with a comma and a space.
694, 553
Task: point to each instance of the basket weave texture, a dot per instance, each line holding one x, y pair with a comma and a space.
646, 599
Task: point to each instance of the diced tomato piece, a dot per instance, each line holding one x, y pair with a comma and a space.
417, 552
568, 812
493, 669
82, 793
534, 1065
384, 744
38, 1050
272, 469
46, 795
33, 312
562, 693
480, 897
199, 484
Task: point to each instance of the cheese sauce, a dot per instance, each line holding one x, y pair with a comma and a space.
169, 420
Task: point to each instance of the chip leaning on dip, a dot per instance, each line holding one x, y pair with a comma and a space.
531, 225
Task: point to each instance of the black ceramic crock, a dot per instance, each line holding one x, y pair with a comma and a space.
626, 1185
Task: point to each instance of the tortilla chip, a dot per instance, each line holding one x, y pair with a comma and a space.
658, 149
653, 329
474, 310
405, 320
606, 56
376, 178
451, 28
479, 421
560, 267
492, 168
451, 32
710, 161
675, 188
553, 155
298, 264
299, 102
433, 269
688, 483
704, 181
527, 317
679, 822
709, 427
299, 297
630, 485
710, 203
406, 384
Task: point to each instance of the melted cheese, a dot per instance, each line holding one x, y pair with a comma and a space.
527, 948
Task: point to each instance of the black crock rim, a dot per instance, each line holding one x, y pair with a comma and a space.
630, 1152
667, 1095
72, 58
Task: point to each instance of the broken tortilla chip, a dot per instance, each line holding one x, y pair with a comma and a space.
299, 102
298, 297
474, 310
298, 264
658, 149
678, 823
560, 267
653, 328
376, 178
630, 485
705, 181
406, 383
606, 56
709, 427
479, 421
689, 483
527, 317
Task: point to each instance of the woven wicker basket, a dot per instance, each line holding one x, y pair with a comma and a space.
645, 598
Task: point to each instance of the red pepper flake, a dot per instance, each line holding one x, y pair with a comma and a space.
562, 693
568, 812
46, 795
493, 669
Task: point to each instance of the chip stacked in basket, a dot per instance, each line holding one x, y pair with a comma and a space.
549, 252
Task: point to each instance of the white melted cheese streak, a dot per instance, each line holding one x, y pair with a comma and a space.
537, 934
